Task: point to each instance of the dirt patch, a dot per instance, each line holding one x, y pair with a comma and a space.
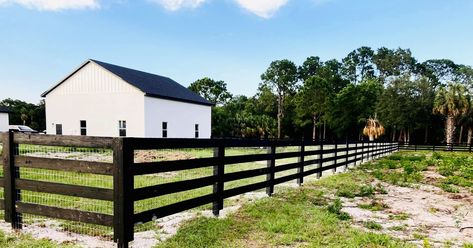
424, 212
154, 156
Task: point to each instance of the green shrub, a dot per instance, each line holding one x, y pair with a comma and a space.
366, 190
466, 171
373, 225
449, 188
409, 167
431, 162
457, 180
395, 157
436, 155
336, 208
390, 164
416, 158
447, 168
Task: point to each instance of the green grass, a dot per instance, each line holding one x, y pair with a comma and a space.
296, 217
26, 241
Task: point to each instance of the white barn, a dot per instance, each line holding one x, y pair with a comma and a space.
101, 99
4, 119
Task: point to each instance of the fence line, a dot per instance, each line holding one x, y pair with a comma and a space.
142, 191
448, 147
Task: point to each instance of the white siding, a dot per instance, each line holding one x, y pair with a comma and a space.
4, 124
180, 116
99, 97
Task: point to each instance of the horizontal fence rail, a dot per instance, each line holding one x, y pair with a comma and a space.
155, 178
448, 147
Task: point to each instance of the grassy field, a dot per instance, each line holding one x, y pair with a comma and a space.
312, 216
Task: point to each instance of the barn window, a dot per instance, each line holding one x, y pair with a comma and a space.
196, 131
122, 128
58, 129
165, 129
83, 128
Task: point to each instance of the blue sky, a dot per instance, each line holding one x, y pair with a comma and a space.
41, 41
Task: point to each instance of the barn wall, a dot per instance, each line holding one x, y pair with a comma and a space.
4, 122
181, 118
99, 97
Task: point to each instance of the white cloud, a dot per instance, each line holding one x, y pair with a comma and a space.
262, 8
174, 5
54, 5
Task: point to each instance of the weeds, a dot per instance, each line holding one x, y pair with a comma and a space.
372, 225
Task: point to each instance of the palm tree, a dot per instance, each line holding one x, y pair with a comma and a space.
373, 129
451, 102
467, 121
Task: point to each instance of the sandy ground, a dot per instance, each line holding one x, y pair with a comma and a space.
430, 212
166, 227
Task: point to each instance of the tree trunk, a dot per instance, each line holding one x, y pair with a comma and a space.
280, 114
470, 134
325, 129
314, 127
461, 134
394, 135
400, 135
449, 129
408, 135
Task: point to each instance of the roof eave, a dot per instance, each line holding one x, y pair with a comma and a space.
180, 100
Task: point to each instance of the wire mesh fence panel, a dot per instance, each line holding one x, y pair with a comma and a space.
2, 212
59, 177
173, 176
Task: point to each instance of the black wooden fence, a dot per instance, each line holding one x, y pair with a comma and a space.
447, 147
124, 169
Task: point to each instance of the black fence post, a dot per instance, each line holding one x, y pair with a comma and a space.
415, 148
271, 165
469, 147
321, 157
335, 157
347, 151
219, 170
123, 187
300, 169
11, 194
356, 152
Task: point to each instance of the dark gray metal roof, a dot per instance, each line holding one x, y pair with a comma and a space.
4, 110
152, 85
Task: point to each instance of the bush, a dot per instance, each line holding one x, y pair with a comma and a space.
395, 157
416, 158
366, 190
409, 167
390, 164
436, 156
336, 208
449, 188
448, 168
373, 225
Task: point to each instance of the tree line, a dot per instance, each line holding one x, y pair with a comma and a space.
414, 101
24, 113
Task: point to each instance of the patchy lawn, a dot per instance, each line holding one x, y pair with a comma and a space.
418, 199
26, 241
